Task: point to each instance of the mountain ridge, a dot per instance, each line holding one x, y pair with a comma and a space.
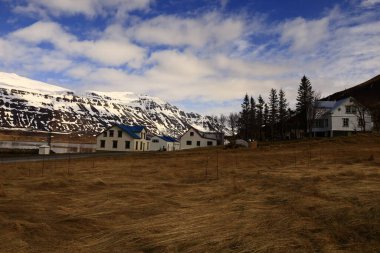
30, 104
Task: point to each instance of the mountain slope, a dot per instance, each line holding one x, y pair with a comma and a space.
29, 104
367, 93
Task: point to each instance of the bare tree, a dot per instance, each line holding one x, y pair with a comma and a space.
232, 122
361, 113
222, 120
312, 111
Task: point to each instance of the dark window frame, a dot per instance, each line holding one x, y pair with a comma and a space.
114, 144
127, 145
119, 134
189, 143
102, 143
111, 133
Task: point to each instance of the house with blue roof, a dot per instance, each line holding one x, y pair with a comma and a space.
121, 137
164, 143
341, 117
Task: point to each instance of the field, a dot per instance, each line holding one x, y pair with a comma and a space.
19, 135
311, 196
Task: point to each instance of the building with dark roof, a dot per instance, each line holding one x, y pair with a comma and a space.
341, 117
164, 143
121, 137
193, 138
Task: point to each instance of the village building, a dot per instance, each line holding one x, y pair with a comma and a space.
342, 117
193, 138
164, 143
123, 138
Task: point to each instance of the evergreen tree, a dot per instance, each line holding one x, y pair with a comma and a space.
273, 110
244, 117
282, 111
252, 118
266, 119
304, 101
260, 115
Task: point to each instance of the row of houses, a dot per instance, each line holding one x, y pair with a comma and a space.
331, 118
136, 138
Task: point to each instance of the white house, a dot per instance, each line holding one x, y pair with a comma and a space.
123, 138
340, 117
193, 138
164, 143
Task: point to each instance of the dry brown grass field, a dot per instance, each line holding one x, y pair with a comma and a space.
310, 196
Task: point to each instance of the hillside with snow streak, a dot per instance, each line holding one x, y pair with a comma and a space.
30, 104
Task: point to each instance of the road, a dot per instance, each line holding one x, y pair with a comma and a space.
37, 158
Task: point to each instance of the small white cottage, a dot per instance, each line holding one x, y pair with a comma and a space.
123, 138
341, 117
164, 143
193, 138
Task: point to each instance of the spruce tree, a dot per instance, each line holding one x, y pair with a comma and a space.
260, 115
304, 101
252, 118
266, 119
273, 110
244, 117
282, 111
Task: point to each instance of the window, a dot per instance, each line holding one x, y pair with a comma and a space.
111, 133
141, 145
114, 144
137, 145
345, 122
209, 143
348, 109
155, 141
119, 134
127, 145
191, 133
188, 143
105, 134
102, 143
143, 136
326, 123
198, 143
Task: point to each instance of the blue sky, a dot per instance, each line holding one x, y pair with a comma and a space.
201, 55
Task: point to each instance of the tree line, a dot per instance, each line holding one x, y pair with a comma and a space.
272, 118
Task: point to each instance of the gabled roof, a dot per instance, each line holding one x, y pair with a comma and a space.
200, 133
131, 130
167, 138
324, 107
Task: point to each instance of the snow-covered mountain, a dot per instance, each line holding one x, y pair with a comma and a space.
30, 104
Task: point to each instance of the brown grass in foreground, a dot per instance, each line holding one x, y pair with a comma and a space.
317, 196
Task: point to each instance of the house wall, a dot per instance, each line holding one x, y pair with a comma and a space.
353, 121
194, 139
335, 121
121, 141
161, 144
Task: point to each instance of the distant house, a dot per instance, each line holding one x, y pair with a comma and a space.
193, 138
123, 138
342, 117
164, 143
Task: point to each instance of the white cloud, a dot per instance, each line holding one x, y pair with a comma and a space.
110, 52
89, 8
211, 28
370, 3
304, 35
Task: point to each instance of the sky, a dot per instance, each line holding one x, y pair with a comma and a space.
201, 55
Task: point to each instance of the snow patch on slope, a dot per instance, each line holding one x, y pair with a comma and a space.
14, 81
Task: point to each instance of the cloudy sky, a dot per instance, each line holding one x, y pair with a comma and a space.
201, 55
